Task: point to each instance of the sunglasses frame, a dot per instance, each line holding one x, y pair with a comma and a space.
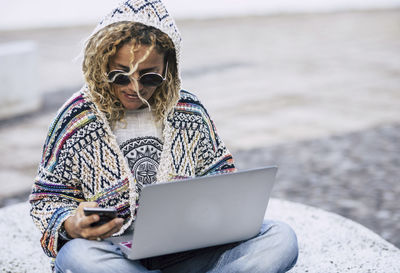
126, 74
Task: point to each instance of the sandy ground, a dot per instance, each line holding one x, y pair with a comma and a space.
273, 85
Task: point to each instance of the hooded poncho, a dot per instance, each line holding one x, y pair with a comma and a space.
82, 161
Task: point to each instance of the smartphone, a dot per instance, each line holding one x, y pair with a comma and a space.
106, 215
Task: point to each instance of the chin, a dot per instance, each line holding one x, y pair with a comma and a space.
133, 107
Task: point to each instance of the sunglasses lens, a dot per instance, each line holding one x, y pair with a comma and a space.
122, 80
151, 80
118, 78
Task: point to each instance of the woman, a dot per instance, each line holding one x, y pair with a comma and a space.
132, 125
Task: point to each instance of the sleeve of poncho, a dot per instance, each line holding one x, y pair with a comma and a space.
52, 202
56, 193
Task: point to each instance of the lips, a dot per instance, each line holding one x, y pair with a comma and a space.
131, 97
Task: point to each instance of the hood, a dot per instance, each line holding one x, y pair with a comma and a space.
148, 12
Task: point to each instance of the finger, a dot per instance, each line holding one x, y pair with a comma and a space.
103, 231
86, 221
117, 227
109, 228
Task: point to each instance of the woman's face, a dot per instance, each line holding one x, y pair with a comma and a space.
127, 94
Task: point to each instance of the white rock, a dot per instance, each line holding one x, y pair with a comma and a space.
328, 242
331, 243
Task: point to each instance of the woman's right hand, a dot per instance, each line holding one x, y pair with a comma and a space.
78, 225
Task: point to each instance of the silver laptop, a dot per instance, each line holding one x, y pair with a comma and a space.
199, 212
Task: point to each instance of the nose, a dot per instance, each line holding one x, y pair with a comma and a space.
135, 84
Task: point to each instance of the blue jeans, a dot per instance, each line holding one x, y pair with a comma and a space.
274, 249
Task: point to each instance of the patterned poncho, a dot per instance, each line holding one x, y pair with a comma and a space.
82, 162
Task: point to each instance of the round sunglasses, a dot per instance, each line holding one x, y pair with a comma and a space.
151, 79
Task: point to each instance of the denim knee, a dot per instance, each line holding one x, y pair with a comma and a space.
81, 255
286, 241
77, 252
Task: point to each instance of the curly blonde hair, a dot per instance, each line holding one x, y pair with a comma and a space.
104, 44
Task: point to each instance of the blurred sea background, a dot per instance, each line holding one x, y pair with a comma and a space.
311, 86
